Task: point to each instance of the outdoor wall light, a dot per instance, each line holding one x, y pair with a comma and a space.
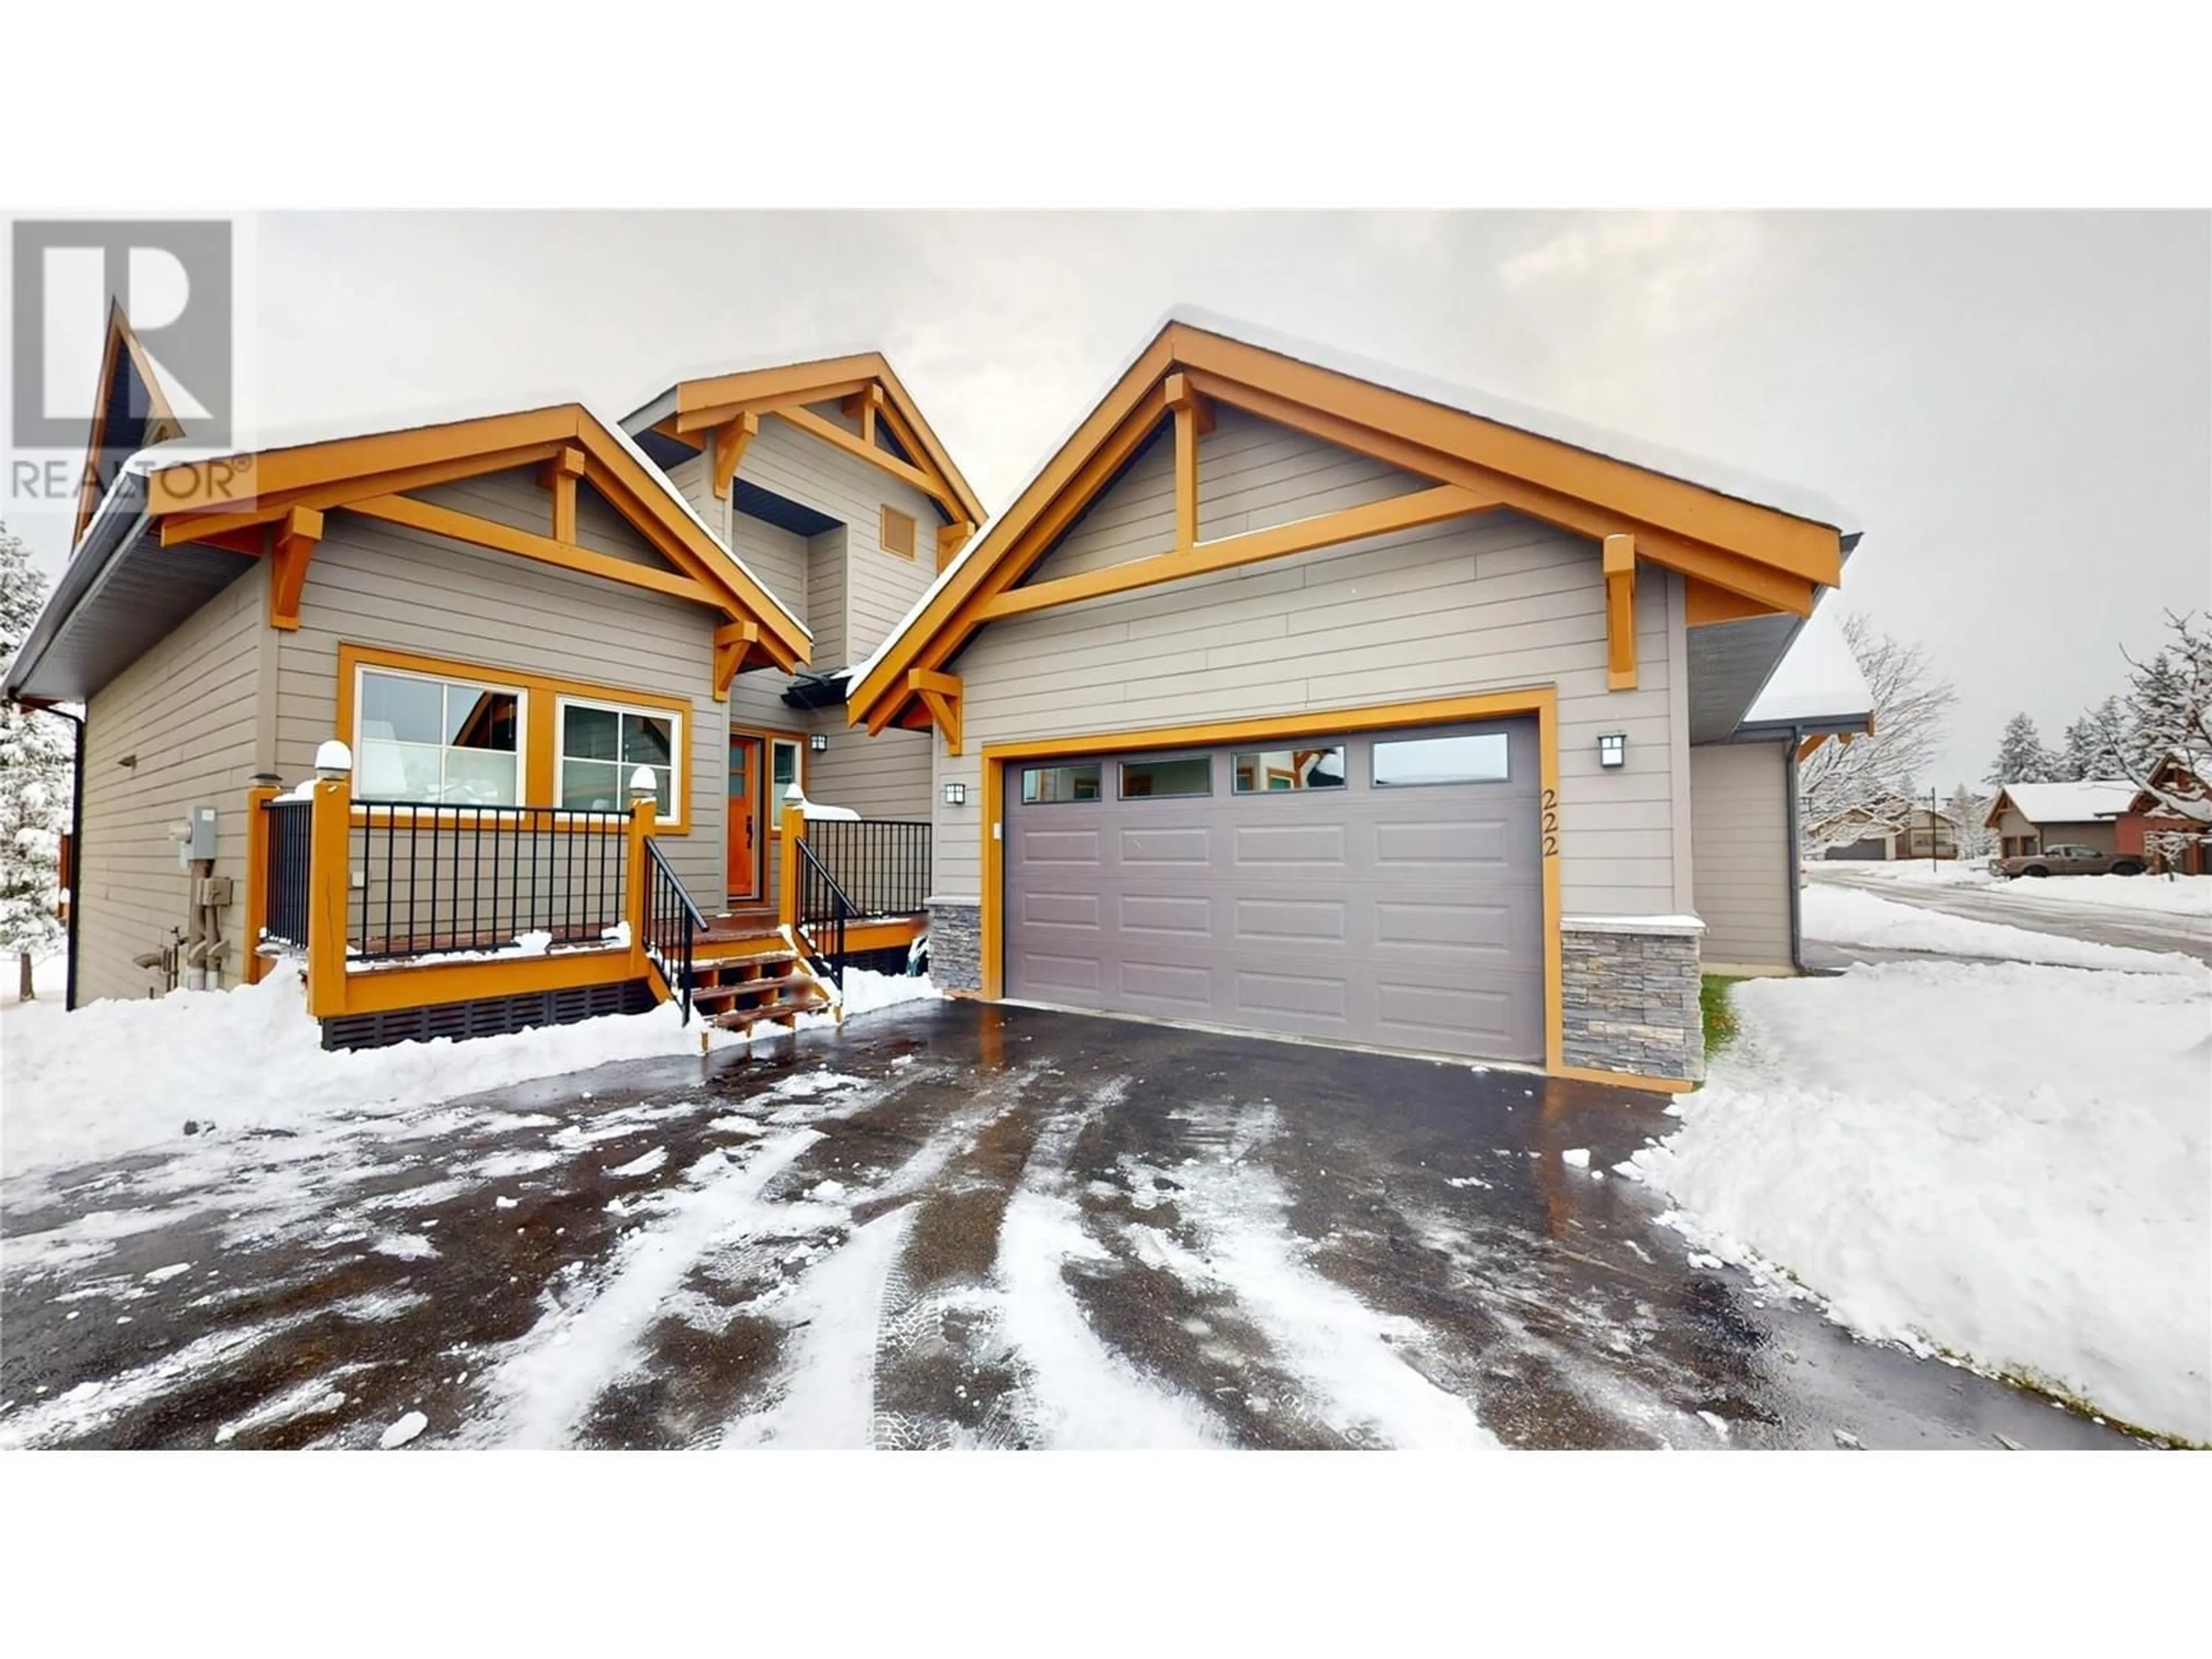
1613, 748
818, 741
955, 795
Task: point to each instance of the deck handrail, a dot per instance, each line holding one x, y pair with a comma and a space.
673, 926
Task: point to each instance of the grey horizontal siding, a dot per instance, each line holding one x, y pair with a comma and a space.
1740, 853
516, 498
187, 711
382, 585
1487, 603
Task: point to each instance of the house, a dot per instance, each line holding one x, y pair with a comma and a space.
1291, 694
1297, 694
1897, 831
2027, 817
515, 624
2151, 829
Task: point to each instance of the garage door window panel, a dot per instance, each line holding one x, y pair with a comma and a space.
1179, 777
1472, 757
1056, 786
1284, 771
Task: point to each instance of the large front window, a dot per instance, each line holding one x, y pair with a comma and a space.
422, 738
600, 745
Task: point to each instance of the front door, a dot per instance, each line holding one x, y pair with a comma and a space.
742, 819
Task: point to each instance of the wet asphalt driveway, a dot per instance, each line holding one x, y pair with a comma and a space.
947, 1224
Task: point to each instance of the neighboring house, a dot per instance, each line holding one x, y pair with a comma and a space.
509, 621
1296, 694
1291, 694
2148, 829
1897, 832
2027, 817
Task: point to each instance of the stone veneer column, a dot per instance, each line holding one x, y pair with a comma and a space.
1628, 989
955, 944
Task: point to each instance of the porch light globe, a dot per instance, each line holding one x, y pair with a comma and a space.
641, 784
333, 760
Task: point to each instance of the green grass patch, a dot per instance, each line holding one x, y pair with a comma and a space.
1713, 1004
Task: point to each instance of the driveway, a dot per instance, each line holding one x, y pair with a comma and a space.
947, 1224
2017, 904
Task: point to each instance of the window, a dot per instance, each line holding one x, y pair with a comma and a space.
1048, 785
418, 738
599, 745
897, 536
1265, 770
1481, 757
784, 768
1188, 774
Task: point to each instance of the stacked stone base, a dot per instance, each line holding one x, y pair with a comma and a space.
1629, 995
955, 944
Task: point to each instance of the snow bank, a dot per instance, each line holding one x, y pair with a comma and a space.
79, 1087
1851, 915
2178, 896
2010, 1162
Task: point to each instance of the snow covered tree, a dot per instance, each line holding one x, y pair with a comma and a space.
2082, 753
1968, 807
2021, 757
35, 783
2161, 735
1864, 786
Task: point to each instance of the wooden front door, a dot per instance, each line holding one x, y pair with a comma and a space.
743, 823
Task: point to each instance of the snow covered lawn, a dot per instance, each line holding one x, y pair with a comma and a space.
2009, 1163
1851, 915
117, 1077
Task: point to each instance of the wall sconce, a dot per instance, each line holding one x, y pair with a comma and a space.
818, 741
1613, 748
955, 795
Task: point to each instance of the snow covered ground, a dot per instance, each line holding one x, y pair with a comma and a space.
1851, 915
2178, 896
2009, 1163
79, 1085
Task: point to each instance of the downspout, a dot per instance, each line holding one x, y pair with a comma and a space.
76, 859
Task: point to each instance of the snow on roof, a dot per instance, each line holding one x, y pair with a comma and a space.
179, 452
1715, 476
1707, 474
2071, 802
1817, 679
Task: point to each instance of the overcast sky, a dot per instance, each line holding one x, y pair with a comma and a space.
2019, 408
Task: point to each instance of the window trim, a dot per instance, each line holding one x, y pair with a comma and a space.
519, 692
771, 742
679, 748
540, 733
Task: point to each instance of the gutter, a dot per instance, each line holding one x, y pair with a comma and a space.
1798, 733
116, 525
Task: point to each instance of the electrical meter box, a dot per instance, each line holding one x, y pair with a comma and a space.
196, 840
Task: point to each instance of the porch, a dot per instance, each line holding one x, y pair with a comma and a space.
414, 920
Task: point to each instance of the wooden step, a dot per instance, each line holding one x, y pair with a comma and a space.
806, 999
716, 996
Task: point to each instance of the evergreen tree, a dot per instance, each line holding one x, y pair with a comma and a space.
2157, 712
34, 782
2089, 751
2021, 757
1968, 809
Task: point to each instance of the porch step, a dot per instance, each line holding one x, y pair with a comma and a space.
805, 997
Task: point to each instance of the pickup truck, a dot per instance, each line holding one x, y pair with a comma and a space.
2068, 862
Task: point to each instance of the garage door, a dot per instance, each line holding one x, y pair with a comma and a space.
1381, 888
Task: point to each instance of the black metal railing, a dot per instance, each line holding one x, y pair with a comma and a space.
881, 864
824, 908
433, 879
291, 843
672, 925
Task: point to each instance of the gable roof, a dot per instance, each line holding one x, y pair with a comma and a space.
1778, 547
132, 410
171, 530
2084, 802
682, 417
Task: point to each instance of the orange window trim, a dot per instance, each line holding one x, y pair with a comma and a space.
541, 700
